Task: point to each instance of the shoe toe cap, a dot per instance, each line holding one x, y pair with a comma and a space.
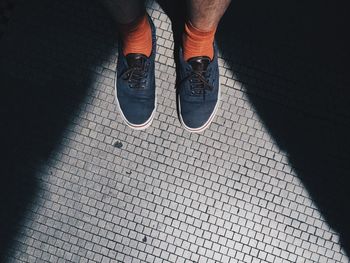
137, 112
196, 117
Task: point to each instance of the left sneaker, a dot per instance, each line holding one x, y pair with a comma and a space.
135, 86
198, 91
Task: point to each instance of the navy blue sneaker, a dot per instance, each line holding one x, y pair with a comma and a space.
135, 86
198, 91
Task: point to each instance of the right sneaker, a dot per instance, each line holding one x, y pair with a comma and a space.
198, 91
135, 86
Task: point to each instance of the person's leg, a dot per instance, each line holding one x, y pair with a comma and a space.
198, 90
135, 80
125, 11
133, 25
206, 14
200, 27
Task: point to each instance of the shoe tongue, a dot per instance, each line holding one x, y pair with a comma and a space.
135, 60
199, 63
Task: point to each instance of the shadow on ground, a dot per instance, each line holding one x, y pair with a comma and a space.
293, 61
46, 70
296, 62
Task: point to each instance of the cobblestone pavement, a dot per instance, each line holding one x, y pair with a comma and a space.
86, 188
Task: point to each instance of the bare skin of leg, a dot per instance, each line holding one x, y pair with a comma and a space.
206, 14
125, 11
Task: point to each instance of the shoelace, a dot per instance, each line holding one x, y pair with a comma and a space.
136, 75
198, 82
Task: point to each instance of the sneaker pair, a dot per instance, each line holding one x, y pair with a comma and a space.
197, 91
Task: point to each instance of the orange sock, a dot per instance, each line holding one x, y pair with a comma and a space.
137, 36
197, 43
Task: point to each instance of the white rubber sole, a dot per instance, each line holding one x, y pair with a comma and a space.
208, 122
142, 126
